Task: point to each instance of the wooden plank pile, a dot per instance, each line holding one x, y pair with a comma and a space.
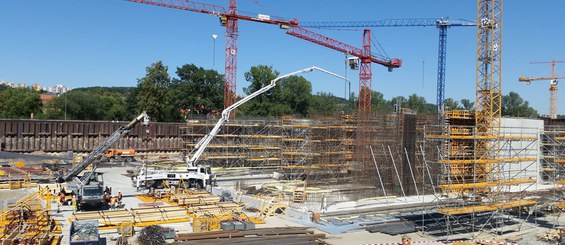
277, 235
550, 236
152, 214
205, 204
138, 216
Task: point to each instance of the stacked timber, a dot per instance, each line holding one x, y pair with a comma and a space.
202, 203
217, 209
200, 198
137, 216
152, 214
105, 217
277, 235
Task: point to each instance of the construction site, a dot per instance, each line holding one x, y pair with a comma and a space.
455, 177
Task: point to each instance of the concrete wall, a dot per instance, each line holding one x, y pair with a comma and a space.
521, 147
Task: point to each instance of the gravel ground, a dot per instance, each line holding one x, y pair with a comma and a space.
12, 196
30, 158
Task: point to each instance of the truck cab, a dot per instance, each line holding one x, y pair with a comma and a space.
120, 154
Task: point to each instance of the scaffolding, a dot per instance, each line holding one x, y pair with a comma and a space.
322, 151
478, 193
553, 154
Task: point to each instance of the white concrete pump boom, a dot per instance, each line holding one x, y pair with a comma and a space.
99, 151
203, 143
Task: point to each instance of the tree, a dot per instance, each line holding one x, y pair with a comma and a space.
88, 104
291, 95
296, 92
398, 102
416, 103
514, 105
379, 104
152, 95
263, 104
323, 104
468, 105
19, 103
451, 104
3, 87
198, 90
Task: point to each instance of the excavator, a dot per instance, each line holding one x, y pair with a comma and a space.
89, 188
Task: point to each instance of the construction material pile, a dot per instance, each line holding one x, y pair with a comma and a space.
277, 235
202, 203
154, 235
84, 230
28, 222
136, 216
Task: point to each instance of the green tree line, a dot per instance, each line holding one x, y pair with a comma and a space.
198, 91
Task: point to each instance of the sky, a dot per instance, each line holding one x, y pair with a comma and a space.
111, 42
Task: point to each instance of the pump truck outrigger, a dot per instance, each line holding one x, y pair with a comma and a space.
201, 176
89, 188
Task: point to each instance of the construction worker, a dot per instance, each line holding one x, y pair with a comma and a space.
62, 197
74, 203
58, 200
112, 203
120, 196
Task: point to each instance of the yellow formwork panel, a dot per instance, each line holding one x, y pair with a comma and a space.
459, 114
560, 204
480, 137
487, 208
487, 184
473, 161
560, 182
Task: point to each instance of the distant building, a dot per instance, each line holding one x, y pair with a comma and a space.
36, 87
21, 85
59, 89
46, 98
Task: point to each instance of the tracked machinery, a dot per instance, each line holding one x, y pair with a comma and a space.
89, 187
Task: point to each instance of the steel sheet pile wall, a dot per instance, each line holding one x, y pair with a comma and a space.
83, 136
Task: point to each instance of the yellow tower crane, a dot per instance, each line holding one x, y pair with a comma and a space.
553, 98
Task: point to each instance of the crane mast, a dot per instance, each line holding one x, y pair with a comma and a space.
229, 18
441, 23
553, 96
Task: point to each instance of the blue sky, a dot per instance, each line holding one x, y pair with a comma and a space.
110, 42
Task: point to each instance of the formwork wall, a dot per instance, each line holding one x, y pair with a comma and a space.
322, 151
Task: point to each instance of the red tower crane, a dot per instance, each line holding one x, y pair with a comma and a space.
230, 18
364, 54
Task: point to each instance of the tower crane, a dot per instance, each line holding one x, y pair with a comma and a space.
441, 23
229, 18
553, 97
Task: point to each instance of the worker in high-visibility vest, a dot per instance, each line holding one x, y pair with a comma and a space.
113, 203
74, 203
120, 196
